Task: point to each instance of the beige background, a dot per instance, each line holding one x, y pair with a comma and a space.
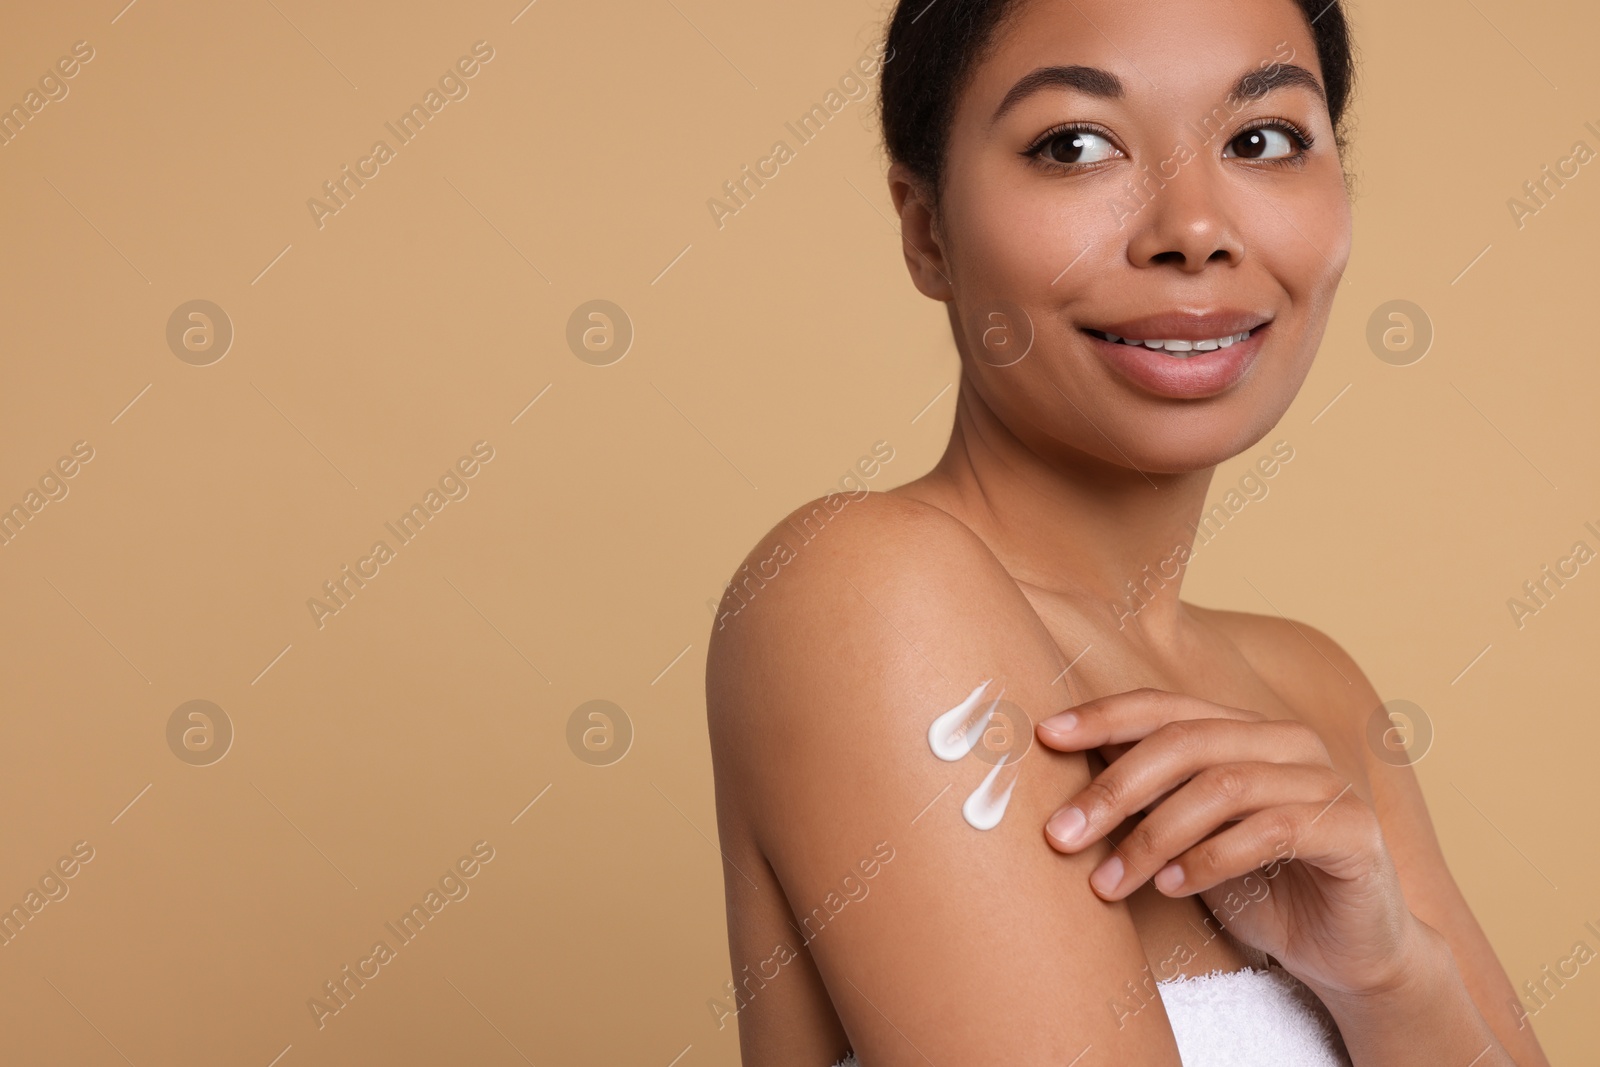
425, 316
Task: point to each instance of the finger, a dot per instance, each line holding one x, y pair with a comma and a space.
1167, 758
1128, 716
1340, 837
1212, 799
1112, 753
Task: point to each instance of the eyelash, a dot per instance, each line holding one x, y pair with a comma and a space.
1302, 138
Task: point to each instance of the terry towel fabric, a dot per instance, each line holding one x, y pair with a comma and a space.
1257, 1017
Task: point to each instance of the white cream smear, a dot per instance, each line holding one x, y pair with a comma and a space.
984, 808
957, 732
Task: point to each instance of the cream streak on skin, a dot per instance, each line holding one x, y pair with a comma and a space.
984, 808
954, 734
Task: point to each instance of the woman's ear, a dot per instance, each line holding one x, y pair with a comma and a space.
919, 240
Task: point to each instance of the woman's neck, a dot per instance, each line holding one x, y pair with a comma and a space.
1068, 522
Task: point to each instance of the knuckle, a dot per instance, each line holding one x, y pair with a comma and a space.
1280, 824
1298, 731
1374, 840
1102, 795
1200, 860
1362, 821
1228, 783
1309, 741
1158, 699
1372, 833
1333, 783
1183, 736
1141, 841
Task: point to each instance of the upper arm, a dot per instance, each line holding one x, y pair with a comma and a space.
1425, 879
935, 941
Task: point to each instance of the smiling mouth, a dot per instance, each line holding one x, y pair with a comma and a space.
1177, 347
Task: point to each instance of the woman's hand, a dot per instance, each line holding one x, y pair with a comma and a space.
1276, 842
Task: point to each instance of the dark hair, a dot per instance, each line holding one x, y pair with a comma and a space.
933, 46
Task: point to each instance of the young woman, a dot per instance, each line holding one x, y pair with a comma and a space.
990, 793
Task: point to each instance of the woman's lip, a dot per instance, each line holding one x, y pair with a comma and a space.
1189, 325
1199, 375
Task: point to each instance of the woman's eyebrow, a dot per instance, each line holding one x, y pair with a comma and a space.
1263, 81
1093, 81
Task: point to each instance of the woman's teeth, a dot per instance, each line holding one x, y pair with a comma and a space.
1177, 348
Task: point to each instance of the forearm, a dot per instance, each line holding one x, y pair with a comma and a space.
1426, 1016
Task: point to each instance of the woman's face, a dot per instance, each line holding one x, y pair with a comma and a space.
1169, 209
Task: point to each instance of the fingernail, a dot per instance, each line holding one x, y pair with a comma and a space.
1169, 878
1067, 824
1063, 723
1107, 875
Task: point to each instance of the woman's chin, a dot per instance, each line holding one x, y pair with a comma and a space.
1176, 446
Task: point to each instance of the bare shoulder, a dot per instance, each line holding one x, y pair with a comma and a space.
870, 583
840, 642
820, 546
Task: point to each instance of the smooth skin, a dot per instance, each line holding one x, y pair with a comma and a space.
1230, 745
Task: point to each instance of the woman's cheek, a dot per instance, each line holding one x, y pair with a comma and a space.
1315, 231
1059, 222
1012, 238
1017, 230
1015, 248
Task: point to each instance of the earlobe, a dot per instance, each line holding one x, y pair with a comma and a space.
919, 240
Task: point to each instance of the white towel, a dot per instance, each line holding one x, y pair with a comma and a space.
1249, 1018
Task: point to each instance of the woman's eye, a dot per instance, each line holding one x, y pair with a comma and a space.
1265, 142
1076, 146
